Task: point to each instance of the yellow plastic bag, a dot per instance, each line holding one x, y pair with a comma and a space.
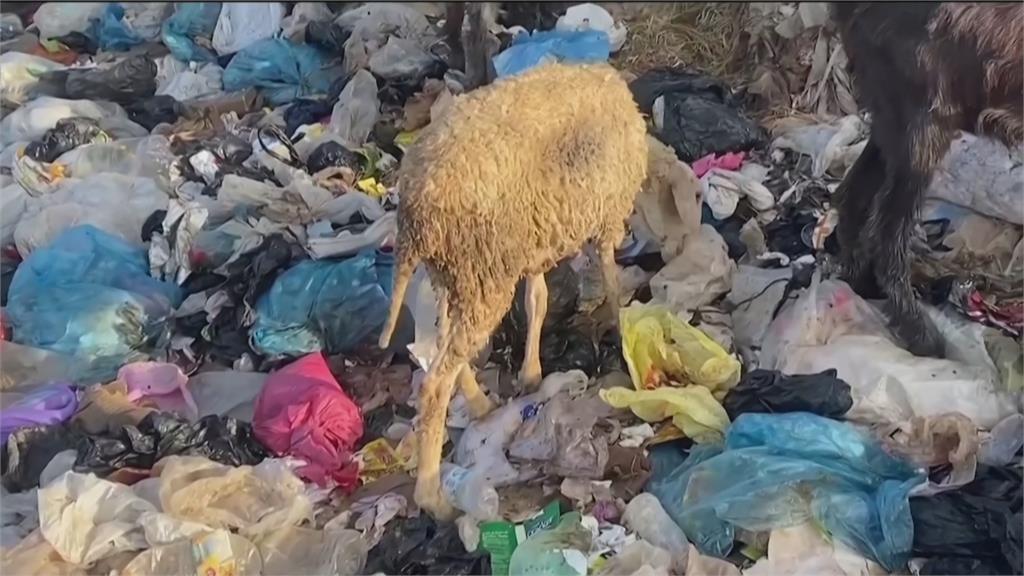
660, 349
692, 409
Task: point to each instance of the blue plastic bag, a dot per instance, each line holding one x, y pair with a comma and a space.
329, 305
110, 31
89, 295
285, 71
191, 21
563, 46
779, 470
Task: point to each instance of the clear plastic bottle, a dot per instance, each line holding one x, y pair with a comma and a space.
469, 492
645, 515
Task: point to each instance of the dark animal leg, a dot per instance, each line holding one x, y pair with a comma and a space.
479, 66
858, 190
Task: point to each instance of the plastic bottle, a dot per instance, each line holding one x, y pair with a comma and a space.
645, 515
469, 492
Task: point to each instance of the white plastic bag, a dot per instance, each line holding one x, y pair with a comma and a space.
19, 73
13, 202
87, 519
243, 23
54, 19
829, 326
114, 203
31, 121
697, 276
293, 27
593, 17
356, 112
184, 83
983, 174
832, 147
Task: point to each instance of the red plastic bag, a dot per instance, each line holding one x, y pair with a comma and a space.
303, 412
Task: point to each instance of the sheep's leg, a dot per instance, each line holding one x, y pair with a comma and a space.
892, 220
610, 272
479, 404
536, 309
855, 195
433, 410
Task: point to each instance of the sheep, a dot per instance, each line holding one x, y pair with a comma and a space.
924, 71
515, 177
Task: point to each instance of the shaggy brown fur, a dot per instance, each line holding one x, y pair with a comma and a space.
517, 176
925, 71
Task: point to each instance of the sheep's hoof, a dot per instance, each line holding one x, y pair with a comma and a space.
428, 497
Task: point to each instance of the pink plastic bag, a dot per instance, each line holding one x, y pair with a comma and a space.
160, 384
304, 413
728, 161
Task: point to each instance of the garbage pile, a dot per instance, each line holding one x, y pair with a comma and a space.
198, 211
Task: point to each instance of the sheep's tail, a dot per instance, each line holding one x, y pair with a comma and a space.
405, 264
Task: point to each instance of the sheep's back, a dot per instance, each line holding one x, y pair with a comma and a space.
524, 171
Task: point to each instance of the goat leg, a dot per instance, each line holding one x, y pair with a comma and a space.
479, 404
856, 194
536, 310
433, 411
610, 273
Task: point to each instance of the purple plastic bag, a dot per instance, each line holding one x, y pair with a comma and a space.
51, 404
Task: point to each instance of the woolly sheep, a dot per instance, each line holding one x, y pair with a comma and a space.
515, 177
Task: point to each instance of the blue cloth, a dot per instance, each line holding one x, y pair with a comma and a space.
283, 70
562, 46
779, 470
89, 295
191, 21
329, 305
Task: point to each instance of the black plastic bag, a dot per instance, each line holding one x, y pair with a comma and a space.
305, 111
79, 42
330, 154
700, 114
422, 546
327, 36
28, 452
219, 438
771, 391
150, 112
68, 134
128, 80
978, 527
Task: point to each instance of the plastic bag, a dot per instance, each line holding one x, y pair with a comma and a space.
697, 276
111, 32
13, 202
68, 134
692, 409
254, 500
189, 23
227, 393
659, 349
161, 384
561, 439
10, 26
401, 60
116, 204
831, 147
144, 159
241, 24
54, 19
559, 551
694, 114
177, 79
593, 17
982, 174
326, 36
778, 470
323, 305
32, 120
19, 74
767, 391
284, 71
303, 412
180, 557
357, 109
303, 551
51, 404
527, 51
89, 295
294, 26
125, 81
87, 519
829, 326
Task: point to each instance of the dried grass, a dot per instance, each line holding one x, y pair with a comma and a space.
696, 35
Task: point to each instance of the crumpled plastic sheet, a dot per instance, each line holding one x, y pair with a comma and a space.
768, 391
528, 51
692, 409
697, 276
561, 438
87, 519
777, 470
329, 305
282, 70
304, 413
89, 295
